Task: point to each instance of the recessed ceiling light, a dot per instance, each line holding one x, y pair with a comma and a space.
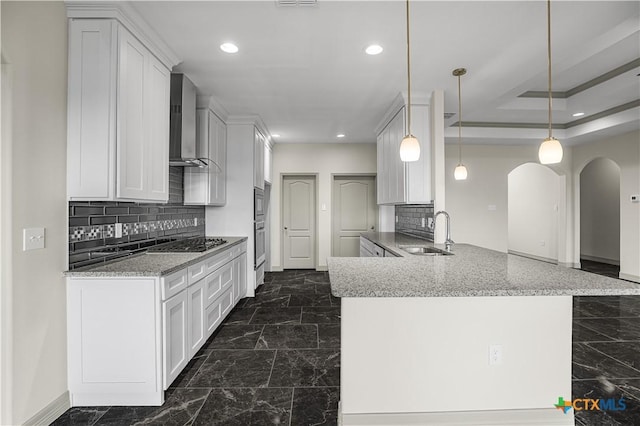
578, 114
229, 48
340, 135
374, 49
275, 135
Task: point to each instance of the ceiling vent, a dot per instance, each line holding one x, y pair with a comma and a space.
290, 3
448, 115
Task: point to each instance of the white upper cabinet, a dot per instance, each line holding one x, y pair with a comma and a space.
118, 115
208, 186
259, 142
399, 182
268, 162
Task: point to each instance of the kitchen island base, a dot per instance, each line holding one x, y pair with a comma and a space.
422, 358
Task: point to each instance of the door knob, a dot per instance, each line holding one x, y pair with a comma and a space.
372, 228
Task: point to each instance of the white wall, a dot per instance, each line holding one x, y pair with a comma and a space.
600, 211
478, 205
625, 151
34, 43
532, 223
323, 160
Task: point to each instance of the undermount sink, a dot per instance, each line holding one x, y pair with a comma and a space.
425, 251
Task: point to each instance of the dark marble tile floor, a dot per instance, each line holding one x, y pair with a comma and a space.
276, 360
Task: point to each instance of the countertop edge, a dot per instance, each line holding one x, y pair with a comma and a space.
149, 274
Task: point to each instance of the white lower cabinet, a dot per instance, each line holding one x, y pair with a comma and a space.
175, 327
130, 337
196, 324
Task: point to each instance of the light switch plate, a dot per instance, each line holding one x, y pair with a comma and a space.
32, 238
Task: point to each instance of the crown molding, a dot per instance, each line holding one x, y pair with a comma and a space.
212, 103
124, 13
401, 100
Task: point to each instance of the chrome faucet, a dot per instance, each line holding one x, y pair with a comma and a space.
448, 241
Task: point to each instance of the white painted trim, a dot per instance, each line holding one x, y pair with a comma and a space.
131, 19
418, 98
534, 257
600, 259
322, 268
52, 411
6, 273
215, 106
629, 277
546, 417
276, 269
570, 265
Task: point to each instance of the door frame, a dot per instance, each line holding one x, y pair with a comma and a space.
316, 243
333, 198
6, 273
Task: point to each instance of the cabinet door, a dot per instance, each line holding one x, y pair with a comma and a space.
91, 108
399, 133
268, 162
174, 332
381, 178
131, 180
258, 160
157, 128
243, 275
196, 317
218, 153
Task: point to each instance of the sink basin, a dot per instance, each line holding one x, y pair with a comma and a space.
425, 251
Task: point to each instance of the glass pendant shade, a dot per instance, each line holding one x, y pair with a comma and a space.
550, 151
460, 173
409, 149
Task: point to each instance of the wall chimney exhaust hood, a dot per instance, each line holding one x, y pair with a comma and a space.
182, 146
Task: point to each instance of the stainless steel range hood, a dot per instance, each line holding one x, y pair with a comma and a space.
182, 147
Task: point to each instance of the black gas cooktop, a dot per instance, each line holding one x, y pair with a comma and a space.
195, 244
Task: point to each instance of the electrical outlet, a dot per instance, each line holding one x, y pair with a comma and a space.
422, 221
396, 219
495, 354
195, 221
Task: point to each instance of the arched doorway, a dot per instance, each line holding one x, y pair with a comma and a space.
532, 220
600, 217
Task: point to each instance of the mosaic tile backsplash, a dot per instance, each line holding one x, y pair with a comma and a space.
410, 220
92, 228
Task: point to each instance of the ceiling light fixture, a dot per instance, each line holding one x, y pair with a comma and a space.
374, 49
577, 114
550, 151
409, 147
229, 48
460, 172
340, 135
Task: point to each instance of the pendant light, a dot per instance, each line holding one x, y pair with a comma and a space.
460, 173
409, 147
550, 151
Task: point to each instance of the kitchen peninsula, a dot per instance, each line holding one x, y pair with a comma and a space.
477, 337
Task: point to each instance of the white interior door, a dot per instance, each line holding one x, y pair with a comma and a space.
354, 211
299, 221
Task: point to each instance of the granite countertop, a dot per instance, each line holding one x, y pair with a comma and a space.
471, 271
150, 264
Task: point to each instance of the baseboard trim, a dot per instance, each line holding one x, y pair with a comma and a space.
276, 269
570, 265
322, 268
537, 417
533, 256
629, 277
52, 411
600, 259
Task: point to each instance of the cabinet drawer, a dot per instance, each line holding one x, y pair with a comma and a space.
237, 250
218, 260
174, 284
378, 251
218, 310
218, 282
368, 245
